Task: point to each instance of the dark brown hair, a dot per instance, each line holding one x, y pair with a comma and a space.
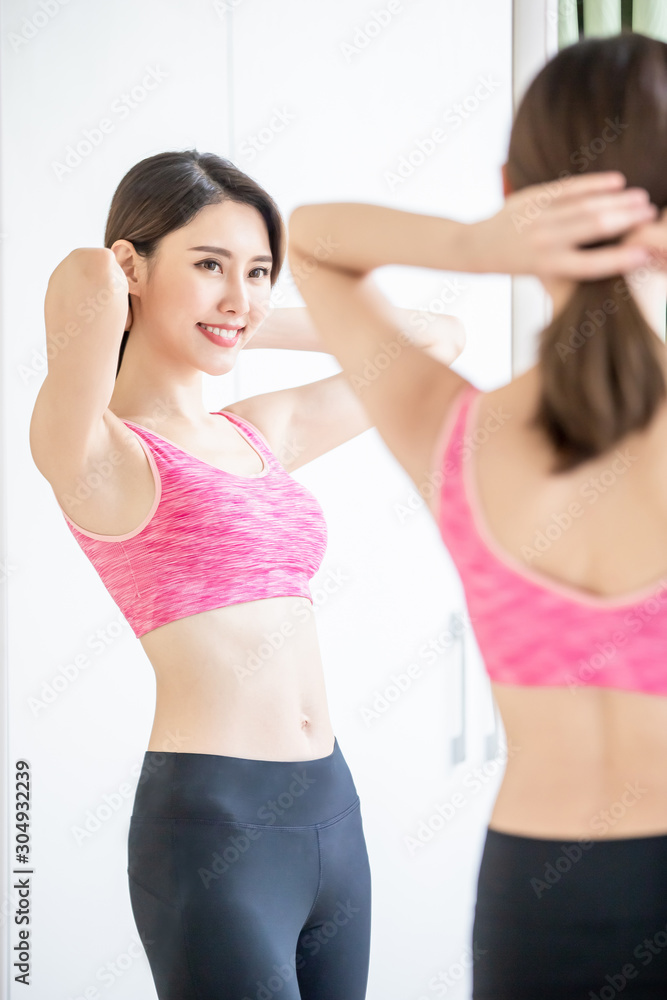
164, 192
600, 104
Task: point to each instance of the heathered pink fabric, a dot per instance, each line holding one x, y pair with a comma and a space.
532, 630
211, 539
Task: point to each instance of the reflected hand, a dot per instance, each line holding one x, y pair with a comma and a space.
653, 237
543, 229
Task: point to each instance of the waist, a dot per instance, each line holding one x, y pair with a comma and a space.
573, 881
221, 788
240, 637
553, 801
246, 692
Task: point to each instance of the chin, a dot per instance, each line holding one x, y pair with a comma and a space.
225, 365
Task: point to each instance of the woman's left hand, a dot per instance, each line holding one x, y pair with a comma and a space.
542, 229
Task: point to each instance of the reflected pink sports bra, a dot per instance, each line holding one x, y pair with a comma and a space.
532, 630
211, 538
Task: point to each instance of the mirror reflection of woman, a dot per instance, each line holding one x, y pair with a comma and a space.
248, 868
572, 890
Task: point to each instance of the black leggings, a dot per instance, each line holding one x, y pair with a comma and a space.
249, 879
571, 920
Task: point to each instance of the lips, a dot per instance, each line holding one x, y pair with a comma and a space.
228, 338
222, 326
222, 332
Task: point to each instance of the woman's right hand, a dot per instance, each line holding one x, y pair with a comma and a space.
92, 261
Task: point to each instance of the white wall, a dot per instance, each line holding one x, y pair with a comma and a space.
220, 71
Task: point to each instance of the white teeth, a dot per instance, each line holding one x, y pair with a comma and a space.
225, 334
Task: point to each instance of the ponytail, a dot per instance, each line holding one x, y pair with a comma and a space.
601, 368
123, 342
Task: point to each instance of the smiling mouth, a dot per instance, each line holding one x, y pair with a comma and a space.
224, 334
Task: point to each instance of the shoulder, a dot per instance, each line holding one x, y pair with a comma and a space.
269, 413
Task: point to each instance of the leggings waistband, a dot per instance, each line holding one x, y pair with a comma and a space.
562, 880
217, 788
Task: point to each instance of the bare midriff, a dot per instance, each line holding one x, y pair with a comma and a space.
242, 681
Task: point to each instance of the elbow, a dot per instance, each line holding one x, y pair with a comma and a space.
298, 231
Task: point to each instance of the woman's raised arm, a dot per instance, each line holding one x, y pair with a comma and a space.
333, 248
85, 308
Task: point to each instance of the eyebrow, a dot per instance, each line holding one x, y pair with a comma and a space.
228, 253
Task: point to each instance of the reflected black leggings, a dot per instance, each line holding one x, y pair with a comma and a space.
571, 920
249, 879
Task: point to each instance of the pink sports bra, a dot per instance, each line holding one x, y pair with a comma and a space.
532, 630
211, 538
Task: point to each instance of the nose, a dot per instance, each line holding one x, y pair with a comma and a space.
235, 294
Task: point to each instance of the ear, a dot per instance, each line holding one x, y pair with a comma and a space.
131, 263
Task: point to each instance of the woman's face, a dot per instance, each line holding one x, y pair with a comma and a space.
225, 284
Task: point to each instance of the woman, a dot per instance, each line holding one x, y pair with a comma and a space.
570, 602
248, 870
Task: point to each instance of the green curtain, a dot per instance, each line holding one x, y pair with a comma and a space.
602, 17
605, 17
649, 17
568, 23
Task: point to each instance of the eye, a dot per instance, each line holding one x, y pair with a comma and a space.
264, 271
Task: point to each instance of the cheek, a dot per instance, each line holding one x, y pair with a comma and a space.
181, 300
259, 307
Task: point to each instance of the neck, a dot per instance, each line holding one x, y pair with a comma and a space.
154, 387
